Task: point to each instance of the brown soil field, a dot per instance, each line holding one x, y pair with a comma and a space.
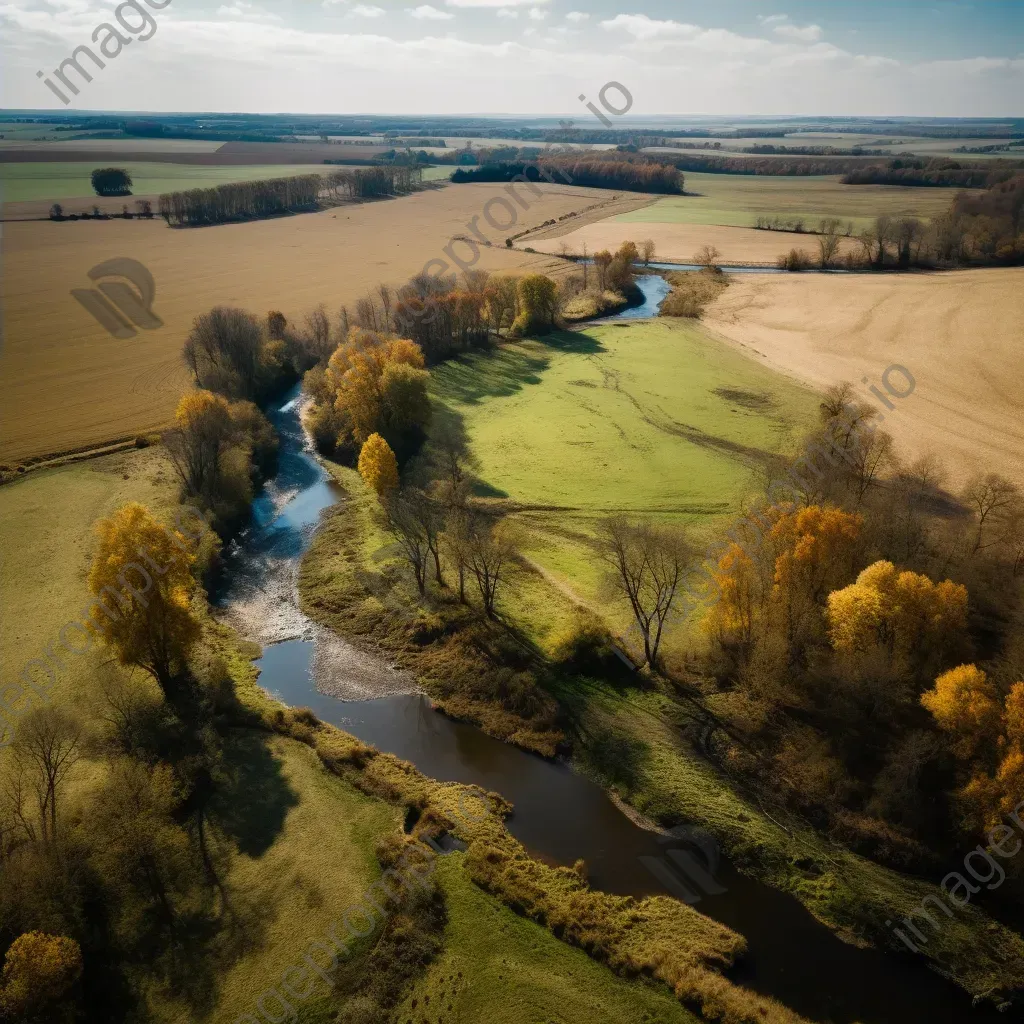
230, 153
960, 333
677, 243
67, 384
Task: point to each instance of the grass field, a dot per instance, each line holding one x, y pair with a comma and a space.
67, 383
726, 206
23, 182
735, 200
958, 332
652, 418
500, 968
299, 842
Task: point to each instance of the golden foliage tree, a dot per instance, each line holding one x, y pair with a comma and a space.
39, 973
964, 703
898, 610
985, 735
777, 582
148, 569
370, 393
377, 465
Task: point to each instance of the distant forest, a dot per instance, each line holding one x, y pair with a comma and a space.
595, 171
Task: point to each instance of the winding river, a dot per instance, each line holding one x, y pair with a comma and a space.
559, 815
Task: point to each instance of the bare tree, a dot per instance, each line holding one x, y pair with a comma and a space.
647, 250
45, 751
318, 333
828, 241
405, 526
907, 233
649, 563
995, 500
707, 256
490, 552
870, 454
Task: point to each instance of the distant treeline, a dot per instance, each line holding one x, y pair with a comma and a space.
775, 165
374, 182
248, 200
937, 171
593, 171
243, 200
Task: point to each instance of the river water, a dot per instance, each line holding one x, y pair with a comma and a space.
559, 815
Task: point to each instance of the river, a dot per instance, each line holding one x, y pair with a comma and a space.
559, 815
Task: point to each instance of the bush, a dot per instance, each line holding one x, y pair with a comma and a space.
692, 291
584, 645
795, 259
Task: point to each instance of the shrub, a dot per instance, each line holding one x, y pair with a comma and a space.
584, 645
795, 259
692, 291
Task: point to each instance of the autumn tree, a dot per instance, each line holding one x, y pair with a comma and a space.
774, 577
538, 304
899, 611
647, 250
377, 465
648, 566
39, 978
964, 703
378, 386
602, 261
153, 625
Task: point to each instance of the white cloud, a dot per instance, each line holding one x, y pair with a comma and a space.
219, 61
504, 12
430, 13
536, 14
368, 11
493, 3
576, 16
802, 34
772, 19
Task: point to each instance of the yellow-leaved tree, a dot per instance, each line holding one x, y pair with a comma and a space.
147, 568
900, 611
39, 974
538, 304
377, 465
964, 704
777, 581
986, 734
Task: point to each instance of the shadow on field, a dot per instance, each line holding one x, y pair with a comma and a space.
253, 798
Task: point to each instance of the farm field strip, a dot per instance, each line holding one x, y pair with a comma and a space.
24, 182
67, 383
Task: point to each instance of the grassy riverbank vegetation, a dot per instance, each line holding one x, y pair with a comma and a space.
228, 793
799, 690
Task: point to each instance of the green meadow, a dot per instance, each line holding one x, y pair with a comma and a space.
737, 200
27, 182
648, 419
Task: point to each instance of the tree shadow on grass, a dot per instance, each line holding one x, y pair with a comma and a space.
254, 798
501, 372
576, 342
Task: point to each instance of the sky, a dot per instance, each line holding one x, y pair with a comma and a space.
741, 57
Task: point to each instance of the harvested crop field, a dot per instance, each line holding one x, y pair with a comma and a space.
68, 384
677, 243
960, 334
227, 153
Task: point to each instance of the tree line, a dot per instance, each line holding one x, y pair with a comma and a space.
938, 172
272, 197
614, 171
978, 229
